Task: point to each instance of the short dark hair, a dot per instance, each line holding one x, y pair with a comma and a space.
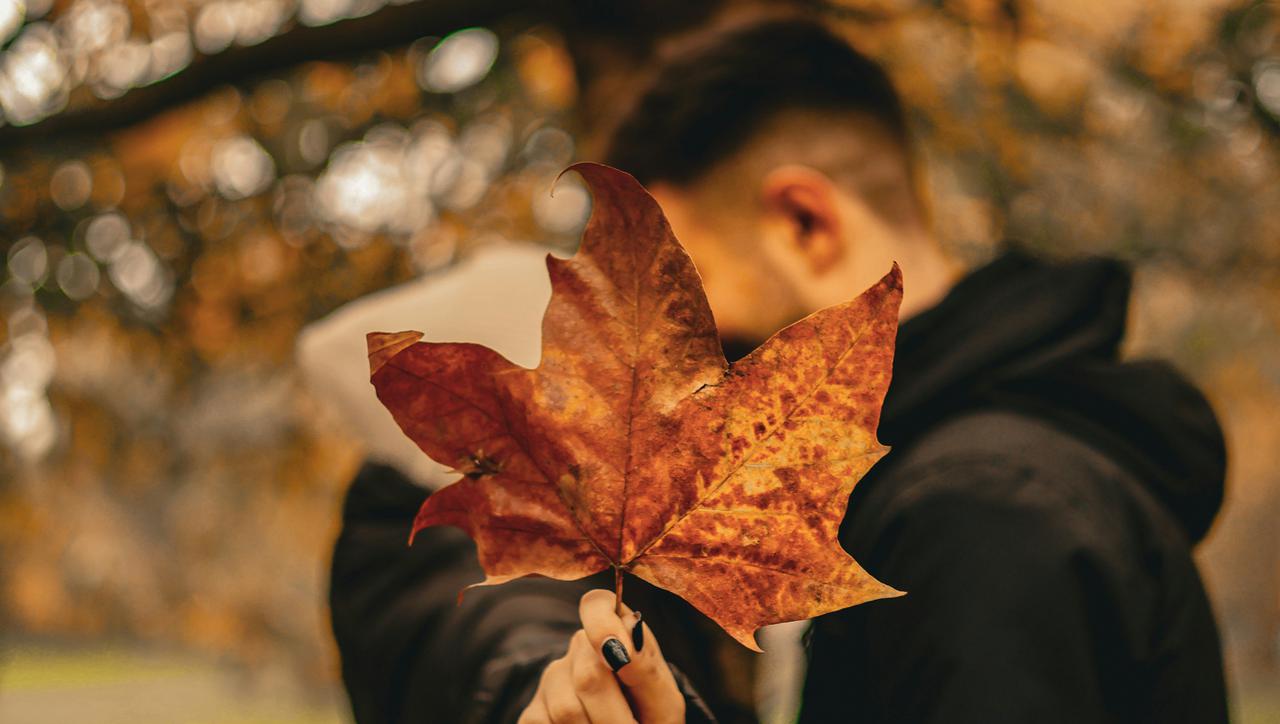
705, 104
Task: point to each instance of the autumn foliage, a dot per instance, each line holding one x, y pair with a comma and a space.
635, 446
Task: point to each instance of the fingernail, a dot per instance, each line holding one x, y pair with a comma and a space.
615, 654
637, 634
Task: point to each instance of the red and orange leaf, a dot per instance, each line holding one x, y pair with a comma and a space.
634, 446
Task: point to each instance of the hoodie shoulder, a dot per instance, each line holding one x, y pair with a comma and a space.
1142, 414
1005, 466
967, 453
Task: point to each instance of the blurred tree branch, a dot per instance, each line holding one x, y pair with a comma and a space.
389, 26
598, 35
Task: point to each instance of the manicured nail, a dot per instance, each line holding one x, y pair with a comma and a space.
637, 634
615, 654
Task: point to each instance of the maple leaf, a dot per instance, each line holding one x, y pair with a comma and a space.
634, 445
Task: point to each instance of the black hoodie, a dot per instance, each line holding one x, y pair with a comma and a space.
1039, 508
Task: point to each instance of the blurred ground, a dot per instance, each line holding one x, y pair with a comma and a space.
46, 683
50, 683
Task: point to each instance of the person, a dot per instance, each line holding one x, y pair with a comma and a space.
1040, 503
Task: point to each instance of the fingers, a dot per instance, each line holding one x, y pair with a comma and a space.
641, 668
578, 689
596, 688
563, 706
536, 711
601, 624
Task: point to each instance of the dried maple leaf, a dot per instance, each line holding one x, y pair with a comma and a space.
634, 446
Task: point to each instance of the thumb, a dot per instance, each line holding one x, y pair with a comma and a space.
629, 647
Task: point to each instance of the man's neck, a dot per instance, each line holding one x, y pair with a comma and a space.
928, 274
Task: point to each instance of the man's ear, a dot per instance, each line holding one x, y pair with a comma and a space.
805, 200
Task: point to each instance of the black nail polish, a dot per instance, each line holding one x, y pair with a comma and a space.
637, 634
615, 654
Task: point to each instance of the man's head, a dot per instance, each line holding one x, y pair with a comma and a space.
782, 159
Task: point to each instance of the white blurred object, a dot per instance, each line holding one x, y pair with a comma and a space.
780, 672
12, 13
33, 76
241, 167
495, 297
459, 61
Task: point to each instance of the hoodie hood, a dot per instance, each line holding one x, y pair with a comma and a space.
1044, 339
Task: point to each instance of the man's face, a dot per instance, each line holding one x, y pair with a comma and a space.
749, 299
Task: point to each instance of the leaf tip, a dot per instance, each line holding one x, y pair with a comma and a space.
590, 170
893, 279
421, 520
609, 180
747, 638
884, 590
385, 345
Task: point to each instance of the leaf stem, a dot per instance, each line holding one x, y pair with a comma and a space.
617, 590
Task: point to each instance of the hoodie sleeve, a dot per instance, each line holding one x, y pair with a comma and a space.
411, 651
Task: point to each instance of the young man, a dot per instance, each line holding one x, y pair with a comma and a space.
1039, 505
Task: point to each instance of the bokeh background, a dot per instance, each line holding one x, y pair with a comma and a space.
185, 185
